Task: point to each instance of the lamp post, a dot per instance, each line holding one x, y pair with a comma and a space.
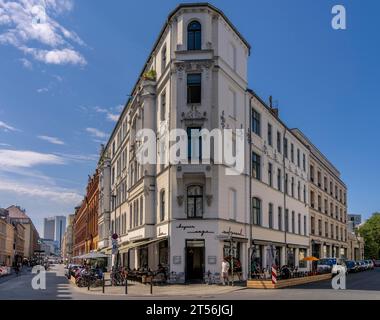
231, 255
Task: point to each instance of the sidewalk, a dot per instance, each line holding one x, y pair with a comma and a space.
13, 275
178, 290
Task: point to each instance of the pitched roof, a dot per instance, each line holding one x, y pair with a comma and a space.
16, 213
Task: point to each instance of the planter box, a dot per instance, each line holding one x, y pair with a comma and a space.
267, 284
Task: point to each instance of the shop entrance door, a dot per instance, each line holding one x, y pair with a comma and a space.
195, 257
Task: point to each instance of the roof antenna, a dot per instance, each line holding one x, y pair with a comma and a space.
271, 102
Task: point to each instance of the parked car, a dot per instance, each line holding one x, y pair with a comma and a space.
352, 266
339, 266
377, 263
361, 265
331, 265
371, 265
366, 264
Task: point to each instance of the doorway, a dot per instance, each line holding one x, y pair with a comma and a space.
195, 257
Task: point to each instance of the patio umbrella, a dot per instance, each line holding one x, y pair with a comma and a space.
310, 259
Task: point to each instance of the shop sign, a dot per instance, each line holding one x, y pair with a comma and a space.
232, 233
184, 228
201, 232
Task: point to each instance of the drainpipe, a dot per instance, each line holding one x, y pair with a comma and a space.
285, 189
250, 192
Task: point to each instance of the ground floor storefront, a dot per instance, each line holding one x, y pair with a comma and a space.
193, 250
325, 249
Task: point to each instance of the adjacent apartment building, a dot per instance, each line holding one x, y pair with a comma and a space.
189, 216
328, 205
85, 224
31, 236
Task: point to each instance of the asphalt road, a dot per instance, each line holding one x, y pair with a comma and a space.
364, 285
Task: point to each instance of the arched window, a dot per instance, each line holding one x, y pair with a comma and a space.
195, 202
162, 206
194, 37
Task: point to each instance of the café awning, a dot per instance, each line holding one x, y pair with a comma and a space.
129, 246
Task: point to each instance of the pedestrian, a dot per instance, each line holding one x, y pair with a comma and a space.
225, 269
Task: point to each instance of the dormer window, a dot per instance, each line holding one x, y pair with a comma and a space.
194, 37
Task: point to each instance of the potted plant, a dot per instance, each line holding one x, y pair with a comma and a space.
150, 75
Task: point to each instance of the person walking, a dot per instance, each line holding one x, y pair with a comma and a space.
225, 269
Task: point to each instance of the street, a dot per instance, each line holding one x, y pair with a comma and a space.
360, 286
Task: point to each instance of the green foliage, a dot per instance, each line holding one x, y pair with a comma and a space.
370, 231
150, 75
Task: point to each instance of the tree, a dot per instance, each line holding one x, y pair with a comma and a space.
370, 231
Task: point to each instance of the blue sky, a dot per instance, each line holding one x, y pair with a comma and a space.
61, 87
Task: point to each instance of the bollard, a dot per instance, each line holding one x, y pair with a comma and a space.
126, 286
103, 284
151, 286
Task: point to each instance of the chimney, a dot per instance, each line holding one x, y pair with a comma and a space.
273, 110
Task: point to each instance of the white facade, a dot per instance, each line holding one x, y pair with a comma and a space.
187, 216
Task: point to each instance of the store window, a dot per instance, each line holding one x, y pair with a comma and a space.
233, 255
257, 258
143, 257
291, 258
163, 253
301, 256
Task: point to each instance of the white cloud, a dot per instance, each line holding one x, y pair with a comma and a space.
113, 117
79, 157
5, 145
97, 133
56, 194
27, 159
42, 90
26, 63
32, 22
56, 56
6, 127
112, 114
52, 140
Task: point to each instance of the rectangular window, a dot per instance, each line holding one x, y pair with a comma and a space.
292, 153
194, 88
299, 190
326, 229
299, 223
304, 226
312, 225
286, 183
270, 136
270, 174
194, 144
280, 218
279, 182
233, 104
279, 141
256, 166
286, 148
304, 162
287, 220
163, 106
256, 122
311, 173
270, 216
298, 158
292, 187
293, 222
163, 59
256, 211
